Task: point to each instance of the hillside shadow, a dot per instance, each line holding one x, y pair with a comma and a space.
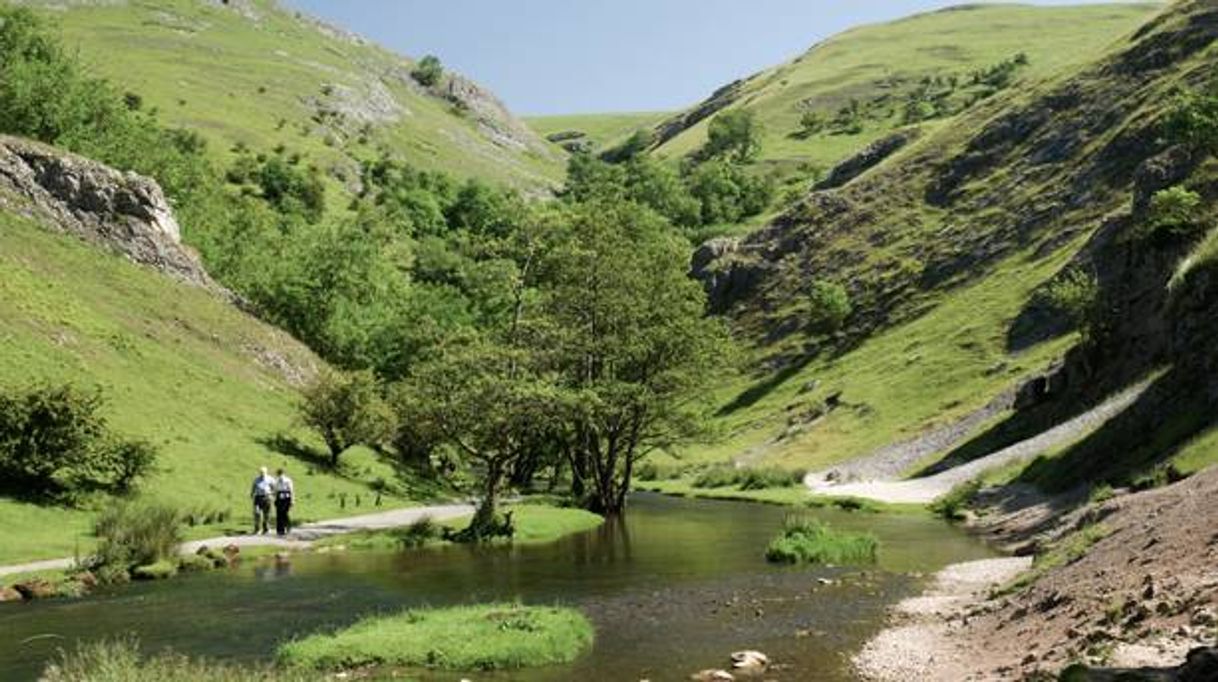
289, 446
1132, 445
753, 394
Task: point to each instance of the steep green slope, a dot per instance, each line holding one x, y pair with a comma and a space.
209, 385
880, 66
945, 249
252, 73
597, 131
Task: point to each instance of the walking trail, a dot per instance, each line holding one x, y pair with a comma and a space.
925, 490
300, 538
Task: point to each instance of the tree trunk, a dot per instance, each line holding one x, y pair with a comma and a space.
483, 523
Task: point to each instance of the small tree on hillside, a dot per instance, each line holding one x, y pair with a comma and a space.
428, 71
1193, 120
1175, 211
1076, 295
735, 135
830, 307
346, 409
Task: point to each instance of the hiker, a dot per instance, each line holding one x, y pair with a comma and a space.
263, 488
283, 503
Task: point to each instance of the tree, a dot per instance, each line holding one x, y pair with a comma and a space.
485, 399
346, 409
55, 442
1193, 120
812, 122
734, 134
830, 307
428, 71
629, 342
1076, 295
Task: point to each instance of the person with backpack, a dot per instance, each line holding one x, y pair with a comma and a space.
284, 492
260, 492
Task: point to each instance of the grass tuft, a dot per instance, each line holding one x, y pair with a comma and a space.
483, 637
810, 541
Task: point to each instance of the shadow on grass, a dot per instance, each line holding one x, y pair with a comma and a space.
289, 446
753, 394
1134, 446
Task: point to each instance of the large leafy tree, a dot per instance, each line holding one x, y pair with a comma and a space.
630, 342
346, 409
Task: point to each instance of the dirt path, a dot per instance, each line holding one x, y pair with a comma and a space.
300, 538
927, 489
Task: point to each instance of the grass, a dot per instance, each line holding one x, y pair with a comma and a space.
535, 524
952, 505
602, 130
1066, 551
121, 661
748, 478
180, 368
871, 61
262, 82
796, 496
484, 637
805, 540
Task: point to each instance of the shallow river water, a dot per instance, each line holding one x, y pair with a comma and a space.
674, 589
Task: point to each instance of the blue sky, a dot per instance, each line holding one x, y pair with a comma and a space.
578, 56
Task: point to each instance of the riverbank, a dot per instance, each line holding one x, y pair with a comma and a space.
1129, 583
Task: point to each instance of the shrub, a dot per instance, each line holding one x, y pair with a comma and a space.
135, 535
748, 478
1175, 212
428, 71
808, 540
420, 532
1193, 120
830, 307
1075, 295
734, 134
952, 505
55, 442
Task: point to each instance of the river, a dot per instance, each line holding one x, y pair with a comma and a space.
673, 589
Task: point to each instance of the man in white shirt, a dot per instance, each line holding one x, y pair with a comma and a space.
284, 492
261, 492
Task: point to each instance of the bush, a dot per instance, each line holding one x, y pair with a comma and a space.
1075, 295
428, 71
1175, 212
420, 533
748, 478
734, 134
1193, 120
952, 505
830, 307
808, 540
135, 535
54, 442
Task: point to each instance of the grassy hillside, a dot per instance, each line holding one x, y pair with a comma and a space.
879, 66
599, 130
206, 383
248, 72
945, 249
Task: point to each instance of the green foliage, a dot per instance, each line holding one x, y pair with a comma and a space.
812, 122
121, 661
1075, 295
735, 135
135, 535
286, 186
807, 540
830, 307
727, 192
428, 71
1193, 120
952, 505
748, 478
484, 637
631, 148
346, 409
55, 443
1175, 212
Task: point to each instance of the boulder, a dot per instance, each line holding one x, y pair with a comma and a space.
868, 158
36, 588
1201, 665
9, 594
750, 660
122, 211
1160, 172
